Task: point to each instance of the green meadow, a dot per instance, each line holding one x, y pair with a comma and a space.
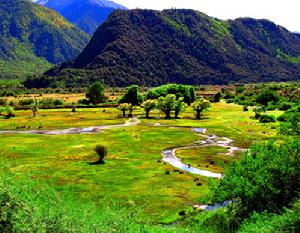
134, 176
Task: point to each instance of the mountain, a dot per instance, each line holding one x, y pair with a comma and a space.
151, 48
86, 14
32, 37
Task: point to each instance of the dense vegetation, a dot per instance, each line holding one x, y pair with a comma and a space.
86, 14
33, 36
152, 48
122, 185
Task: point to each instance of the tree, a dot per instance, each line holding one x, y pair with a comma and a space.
149, 105
267, 96
266, 178
130, 108
132, 96
7, 112
292, 126
185, 91
124, 107
35, 107
101, 152
258, 111
179, 106
217, 97
199, 106
166, 104
95, 93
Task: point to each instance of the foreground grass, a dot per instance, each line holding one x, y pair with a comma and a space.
133, 178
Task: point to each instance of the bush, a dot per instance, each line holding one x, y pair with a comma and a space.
217, 97
267, 96
267, 119
58, 102
26, 102
49, 102
288, 221
101, 152
265, 179
245, 109
83, 102
285, 106
3, 102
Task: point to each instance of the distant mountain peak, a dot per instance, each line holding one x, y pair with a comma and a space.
86, 14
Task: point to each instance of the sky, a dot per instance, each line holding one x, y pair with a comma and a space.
283, 12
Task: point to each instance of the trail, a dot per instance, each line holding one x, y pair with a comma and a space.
82, 130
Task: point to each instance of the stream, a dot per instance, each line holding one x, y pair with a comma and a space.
169, 155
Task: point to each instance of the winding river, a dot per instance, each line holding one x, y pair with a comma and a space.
169, 155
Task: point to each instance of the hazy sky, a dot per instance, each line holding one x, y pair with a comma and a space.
283, 12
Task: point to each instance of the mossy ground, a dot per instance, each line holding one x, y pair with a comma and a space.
133, 174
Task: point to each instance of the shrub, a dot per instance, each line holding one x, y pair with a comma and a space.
265, 179
58, 102
285, 106
3, 101
101, 152
83, 102
217, 97
240, 89
26, 102
267, 96
245, 109
267, 119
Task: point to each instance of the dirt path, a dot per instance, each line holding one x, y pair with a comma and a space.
83, 130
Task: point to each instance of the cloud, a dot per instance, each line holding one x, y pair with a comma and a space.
282, 12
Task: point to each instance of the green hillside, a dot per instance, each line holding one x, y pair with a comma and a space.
151, 48
34, 37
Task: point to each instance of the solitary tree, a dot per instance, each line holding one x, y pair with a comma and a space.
132, 96
149, 105
124, 107
199, 106
179, 106
95, 93
101, 152
166, 104
35, 107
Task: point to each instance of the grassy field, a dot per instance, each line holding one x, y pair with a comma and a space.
134, 175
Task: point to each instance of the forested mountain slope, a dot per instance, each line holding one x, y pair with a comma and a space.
149, 47
32, 37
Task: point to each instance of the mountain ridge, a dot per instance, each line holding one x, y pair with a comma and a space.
148, 47
30, 31
86, 14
